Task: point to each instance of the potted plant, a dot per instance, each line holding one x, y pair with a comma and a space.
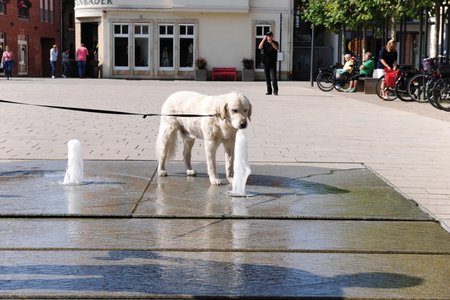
248, 71
200, 68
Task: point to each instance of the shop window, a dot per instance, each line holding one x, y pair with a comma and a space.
141, 46
166, 46
187, 36
24, 8
259, 35
121, 38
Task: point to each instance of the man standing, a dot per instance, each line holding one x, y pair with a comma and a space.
270, 53
53, 59
82, 54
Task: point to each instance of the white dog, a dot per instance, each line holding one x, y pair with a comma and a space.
230, 112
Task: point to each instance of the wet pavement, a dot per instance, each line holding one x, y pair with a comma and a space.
352, 229
311, 230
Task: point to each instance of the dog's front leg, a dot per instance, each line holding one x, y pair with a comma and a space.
211, 149
229, 159
188, 144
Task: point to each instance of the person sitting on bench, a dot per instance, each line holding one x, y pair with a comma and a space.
365, 70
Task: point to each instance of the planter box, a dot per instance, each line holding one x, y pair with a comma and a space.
248, 75
201, 75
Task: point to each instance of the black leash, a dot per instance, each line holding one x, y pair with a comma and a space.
110, 112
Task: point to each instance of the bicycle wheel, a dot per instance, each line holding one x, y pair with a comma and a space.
429, 91
390, 92
417, 88
441, 94
400, 89
325, 81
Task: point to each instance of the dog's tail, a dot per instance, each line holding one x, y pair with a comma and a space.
166, 144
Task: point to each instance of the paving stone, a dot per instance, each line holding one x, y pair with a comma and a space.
308, 232
225, 235
282, 191
118, 188
152, 274
34, 188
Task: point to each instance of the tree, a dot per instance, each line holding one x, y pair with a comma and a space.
338, 15
334, 14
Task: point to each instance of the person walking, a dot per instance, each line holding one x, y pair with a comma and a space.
8, 62
82, 54
53, 59
65, 63
269, 48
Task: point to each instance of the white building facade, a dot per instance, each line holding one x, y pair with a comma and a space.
161, 39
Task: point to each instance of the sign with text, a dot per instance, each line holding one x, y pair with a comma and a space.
93, 2
123, 3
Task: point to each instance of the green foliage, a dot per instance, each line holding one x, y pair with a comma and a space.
335, 14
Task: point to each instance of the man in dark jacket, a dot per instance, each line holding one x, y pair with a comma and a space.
270, 51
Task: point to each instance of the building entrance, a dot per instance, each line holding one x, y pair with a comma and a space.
89, 36
46, 45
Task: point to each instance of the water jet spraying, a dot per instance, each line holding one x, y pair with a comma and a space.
241, 167
74, 172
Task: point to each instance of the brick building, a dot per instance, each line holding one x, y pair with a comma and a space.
30, 28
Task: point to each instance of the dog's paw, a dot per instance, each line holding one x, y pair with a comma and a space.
215, 181
162, 173
191, 173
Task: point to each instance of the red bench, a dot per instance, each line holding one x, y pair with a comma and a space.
223, 72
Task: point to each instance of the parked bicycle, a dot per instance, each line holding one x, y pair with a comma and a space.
420, 87
441, 89
326, 77
398, 88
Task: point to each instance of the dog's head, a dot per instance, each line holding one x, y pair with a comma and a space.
237, 109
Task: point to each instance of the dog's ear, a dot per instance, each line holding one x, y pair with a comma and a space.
249, 113
223, 109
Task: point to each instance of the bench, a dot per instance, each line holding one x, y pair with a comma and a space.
224, 72
369, 84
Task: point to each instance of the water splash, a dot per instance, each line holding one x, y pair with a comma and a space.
74, 172
241, 166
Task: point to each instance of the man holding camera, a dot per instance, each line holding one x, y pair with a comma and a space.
270, 52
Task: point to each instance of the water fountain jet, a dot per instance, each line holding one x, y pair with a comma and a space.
74, 172
241, 167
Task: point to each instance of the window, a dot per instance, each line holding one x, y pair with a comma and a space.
187, 35
24, 8
166, 46
141, 46
2, 8
121, 38
260, 32
46, 11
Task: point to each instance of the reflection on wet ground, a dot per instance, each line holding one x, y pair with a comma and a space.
311, 230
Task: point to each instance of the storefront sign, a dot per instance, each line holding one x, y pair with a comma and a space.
93, 2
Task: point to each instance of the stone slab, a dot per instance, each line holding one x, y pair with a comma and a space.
225, 235
283, 191
134, 274
125, 188
34, 187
